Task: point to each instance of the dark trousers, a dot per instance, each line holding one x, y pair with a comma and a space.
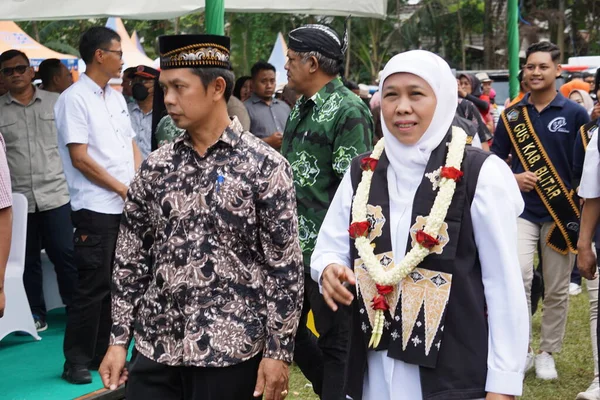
53, 231
149, 380
323, 360
89, 319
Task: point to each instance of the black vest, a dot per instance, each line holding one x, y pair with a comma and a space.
452, 353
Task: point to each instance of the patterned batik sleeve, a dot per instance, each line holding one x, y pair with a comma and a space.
283, 272
132, 273
354, 136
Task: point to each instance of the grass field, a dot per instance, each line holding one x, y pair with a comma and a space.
574, 364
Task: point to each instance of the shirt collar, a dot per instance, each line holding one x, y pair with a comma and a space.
255, 99
37, 95
93, 86
559, 101
231, 136
136, 107
320, 98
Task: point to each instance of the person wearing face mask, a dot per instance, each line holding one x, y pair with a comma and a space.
449, 318
143, 80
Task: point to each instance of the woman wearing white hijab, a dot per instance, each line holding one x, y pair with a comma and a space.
414, 338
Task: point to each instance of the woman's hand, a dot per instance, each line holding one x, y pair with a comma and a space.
334, 291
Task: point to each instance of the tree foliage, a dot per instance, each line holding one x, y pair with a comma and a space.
455, 29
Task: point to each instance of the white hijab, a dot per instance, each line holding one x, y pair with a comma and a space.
407, 163
436, 72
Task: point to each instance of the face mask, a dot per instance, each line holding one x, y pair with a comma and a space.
139, 92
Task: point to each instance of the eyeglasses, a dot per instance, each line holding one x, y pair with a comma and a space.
119, 52
9, 71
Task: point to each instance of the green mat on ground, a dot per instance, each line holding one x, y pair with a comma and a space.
31, 369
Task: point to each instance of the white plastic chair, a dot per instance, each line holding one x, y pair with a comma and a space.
17, 314
52, 297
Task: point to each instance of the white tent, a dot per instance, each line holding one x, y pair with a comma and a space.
278, 59
131, 54
23, 10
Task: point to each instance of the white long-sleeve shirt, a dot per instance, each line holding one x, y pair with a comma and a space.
589, 188
494, 211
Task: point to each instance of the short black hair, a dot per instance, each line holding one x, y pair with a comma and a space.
48, 69
237, 90
575, 75
597, 82
261, 66
10, 54
544, 47
209, 75
95, 38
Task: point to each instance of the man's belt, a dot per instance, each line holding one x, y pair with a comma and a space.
586, 132
550, 187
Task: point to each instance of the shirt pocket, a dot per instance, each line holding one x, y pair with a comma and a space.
88, 251
123, 125
47, 130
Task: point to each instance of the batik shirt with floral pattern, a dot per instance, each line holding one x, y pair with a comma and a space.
208, 267
322, 136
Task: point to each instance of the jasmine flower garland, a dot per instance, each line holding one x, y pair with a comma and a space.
426, 238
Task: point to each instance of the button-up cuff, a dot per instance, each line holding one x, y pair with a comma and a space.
279, 347
504, 382
120, 335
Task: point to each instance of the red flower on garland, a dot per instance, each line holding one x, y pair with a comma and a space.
426, 240
359, 229
384, 289
451, 173
368, 164
379, 303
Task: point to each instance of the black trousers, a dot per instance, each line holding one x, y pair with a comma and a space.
149, 380
52, 230
89, 319
323, 360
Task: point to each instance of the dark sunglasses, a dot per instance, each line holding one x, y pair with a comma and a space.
9, 71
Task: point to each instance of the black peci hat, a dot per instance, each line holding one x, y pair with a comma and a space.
194, 51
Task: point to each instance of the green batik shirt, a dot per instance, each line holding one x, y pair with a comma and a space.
322, 136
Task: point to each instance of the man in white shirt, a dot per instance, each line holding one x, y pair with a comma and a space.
99, 159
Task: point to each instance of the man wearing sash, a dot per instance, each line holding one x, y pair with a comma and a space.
540, 132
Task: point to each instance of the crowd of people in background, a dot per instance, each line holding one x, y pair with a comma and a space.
205, 204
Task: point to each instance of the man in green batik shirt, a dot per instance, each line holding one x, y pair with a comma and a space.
328, 126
